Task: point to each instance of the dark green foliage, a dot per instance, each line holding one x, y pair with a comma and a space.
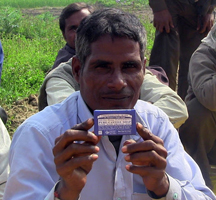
30, 44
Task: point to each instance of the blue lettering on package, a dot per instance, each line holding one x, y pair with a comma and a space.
115, 122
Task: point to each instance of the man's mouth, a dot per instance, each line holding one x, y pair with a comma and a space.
116, 97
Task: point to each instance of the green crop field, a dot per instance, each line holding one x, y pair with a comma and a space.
59, 3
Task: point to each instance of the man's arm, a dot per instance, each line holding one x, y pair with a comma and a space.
57, 90
160, 159
202, 74
205, 22
204, 11
148, 159
157, 5
165, 98
74, 160
33, 172
162, 19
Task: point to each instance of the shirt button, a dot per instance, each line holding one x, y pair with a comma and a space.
175, 196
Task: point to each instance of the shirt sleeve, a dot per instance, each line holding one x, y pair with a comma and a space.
202, 74
185, 177
157, 5
51, 196
4, 153
57, 90
31, 163
165, 98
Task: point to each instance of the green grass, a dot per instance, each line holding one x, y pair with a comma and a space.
25, 64
59, 3
30, 45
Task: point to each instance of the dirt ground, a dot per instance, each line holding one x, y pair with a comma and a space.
138, 11
20, 111
28, 106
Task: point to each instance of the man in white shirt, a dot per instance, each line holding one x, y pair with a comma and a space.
55, 154
59, 84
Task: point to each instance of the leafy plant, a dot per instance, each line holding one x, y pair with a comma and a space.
25, 64
10, 19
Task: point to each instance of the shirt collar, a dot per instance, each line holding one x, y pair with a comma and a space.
83, 111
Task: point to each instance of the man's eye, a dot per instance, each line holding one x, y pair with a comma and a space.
102, 66
74, 28
129, 65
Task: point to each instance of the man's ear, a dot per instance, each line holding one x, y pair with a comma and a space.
144, 65
63, 33
76, 68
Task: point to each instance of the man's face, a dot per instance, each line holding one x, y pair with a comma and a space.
71, 25
112, 75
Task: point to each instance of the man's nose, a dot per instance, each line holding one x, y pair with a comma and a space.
117, 81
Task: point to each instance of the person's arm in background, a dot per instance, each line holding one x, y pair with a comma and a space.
204, 11
57, 86
57, 90
162, 18
165, 98
4, 154
202, 72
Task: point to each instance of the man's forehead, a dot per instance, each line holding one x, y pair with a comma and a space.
84, 11
107, 44
77, 16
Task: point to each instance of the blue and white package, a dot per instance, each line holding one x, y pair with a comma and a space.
115, 122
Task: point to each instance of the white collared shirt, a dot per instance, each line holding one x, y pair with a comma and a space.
4, 155
33, 174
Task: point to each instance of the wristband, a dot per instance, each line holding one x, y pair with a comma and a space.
56, 195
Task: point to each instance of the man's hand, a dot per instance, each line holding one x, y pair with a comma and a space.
74, 160
148, 159
163, 21
205, 23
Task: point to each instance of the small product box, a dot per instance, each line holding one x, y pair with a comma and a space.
115, 122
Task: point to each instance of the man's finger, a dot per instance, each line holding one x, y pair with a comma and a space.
147, 135
145, 146
85, 125
75, 150
167, 28
82, 126
75, 163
